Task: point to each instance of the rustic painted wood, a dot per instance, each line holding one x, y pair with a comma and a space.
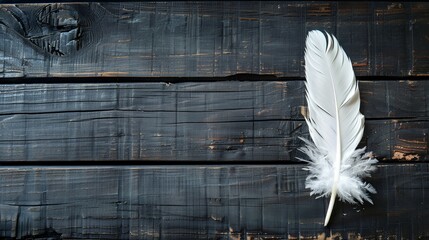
195, 121
419, 26
252, 121
200, 202
210, 38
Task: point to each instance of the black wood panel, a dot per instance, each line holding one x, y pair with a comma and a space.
96, 123
195, 121
200, 202
210, 38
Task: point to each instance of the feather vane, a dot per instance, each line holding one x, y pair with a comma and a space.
335, 125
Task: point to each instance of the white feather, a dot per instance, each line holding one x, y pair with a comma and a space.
335, 125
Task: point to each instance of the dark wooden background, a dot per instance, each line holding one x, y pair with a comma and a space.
180, 120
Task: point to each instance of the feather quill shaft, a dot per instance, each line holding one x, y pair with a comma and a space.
335, 125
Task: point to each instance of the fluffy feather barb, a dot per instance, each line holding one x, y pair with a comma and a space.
335, 124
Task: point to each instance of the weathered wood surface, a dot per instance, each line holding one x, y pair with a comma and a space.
213, 121
210, 38
252, 121
198, 202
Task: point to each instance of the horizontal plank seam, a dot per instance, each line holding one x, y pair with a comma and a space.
407, 118
124, 163
236, 77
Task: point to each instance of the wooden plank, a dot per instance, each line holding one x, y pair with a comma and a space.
213, 38
418, 25
194, 121
401, 99
198, 202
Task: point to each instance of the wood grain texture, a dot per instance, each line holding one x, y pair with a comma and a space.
210, 38
214, 121
198, 202
73, 149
